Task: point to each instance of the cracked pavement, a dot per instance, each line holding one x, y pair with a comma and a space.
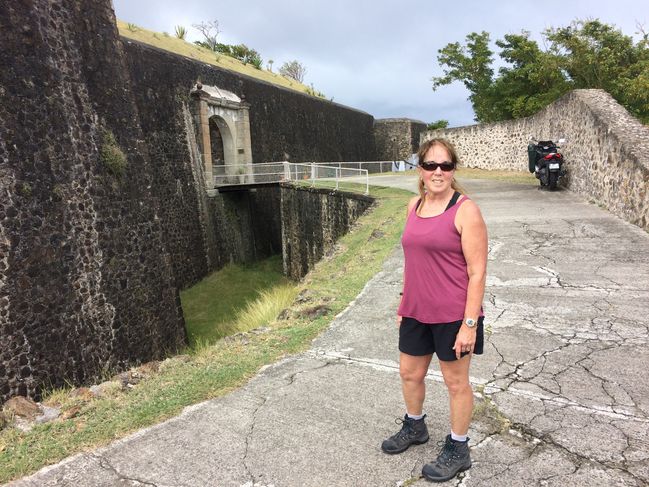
562, 396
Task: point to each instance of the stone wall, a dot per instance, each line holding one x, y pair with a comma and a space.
284, 124
312, 220
397, 139
606, 153
247, 225
86, 283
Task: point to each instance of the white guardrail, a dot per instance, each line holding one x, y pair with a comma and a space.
313, 173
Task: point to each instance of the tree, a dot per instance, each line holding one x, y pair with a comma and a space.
239, 51
210, 31
470, 64
586, 54
597, 55
294, 70
532, 80
246, 55
439, 124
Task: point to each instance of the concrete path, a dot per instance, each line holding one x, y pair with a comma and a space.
565, 393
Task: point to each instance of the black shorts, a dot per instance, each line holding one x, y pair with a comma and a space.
416, 338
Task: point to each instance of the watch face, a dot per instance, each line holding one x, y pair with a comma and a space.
470, 322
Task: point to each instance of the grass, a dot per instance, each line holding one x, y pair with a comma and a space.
178, 46
210, 305
213, 369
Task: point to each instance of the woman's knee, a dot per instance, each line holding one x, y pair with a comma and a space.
412, 375
458, 385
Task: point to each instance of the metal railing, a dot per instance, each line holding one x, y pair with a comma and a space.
314, 174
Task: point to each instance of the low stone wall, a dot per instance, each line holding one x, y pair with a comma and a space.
247, 225
312, 220
606, 153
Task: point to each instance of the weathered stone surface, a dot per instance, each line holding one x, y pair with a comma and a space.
108, 388
606, 152
312, 221
85, 278
23, 407
397, 138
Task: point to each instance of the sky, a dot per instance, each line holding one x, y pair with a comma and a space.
376, 56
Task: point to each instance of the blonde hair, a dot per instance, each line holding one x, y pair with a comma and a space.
421, 153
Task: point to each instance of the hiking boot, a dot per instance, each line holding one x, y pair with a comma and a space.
453, 458
413, 432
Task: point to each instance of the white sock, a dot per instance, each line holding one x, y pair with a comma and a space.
415, 416
455, 437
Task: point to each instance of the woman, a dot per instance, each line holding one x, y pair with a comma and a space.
445, 249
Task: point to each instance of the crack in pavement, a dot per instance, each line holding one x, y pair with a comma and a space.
106, 465
290, 380
489, 387
249, 439
579, 458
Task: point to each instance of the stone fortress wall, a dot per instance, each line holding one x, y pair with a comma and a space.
606, 152
285, 125
397, 139
104, 214
86, 281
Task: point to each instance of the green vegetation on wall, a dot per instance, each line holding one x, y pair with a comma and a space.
110, 154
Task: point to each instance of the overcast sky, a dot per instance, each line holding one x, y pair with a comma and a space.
376, 56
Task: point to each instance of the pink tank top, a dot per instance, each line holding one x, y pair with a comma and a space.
435, 273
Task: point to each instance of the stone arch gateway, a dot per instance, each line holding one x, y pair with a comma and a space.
222, 112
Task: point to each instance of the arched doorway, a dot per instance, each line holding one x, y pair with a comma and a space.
223, 151
216, 141
224, 124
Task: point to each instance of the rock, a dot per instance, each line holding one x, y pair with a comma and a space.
70, 413
150, 368
107, 389
172, 362
260, 330
49, 414
315, 311
285, 314
304, 296
82, 393
23, 407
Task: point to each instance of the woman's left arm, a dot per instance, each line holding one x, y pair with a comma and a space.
473, 232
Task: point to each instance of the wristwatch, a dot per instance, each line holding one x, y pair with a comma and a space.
470, 322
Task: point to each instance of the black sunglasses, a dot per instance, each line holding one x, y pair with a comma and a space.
432, 166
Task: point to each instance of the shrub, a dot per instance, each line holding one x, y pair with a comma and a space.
180, 32
439, 124
111, 156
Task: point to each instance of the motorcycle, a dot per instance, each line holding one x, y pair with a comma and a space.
546, 162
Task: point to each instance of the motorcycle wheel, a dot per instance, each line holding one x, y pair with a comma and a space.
554, 178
